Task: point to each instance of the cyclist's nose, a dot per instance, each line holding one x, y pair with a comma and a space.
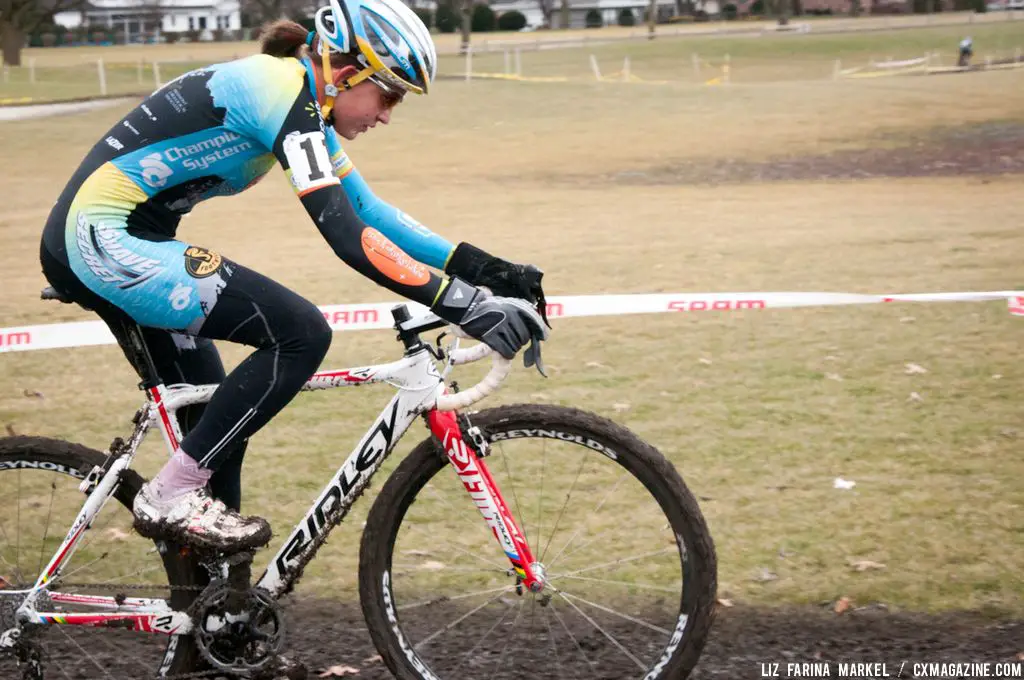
384, 116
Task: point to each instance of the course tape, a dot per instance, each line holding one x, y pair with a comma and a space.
360, 317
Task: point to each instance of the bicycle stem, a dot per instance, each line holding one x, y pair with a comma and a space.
477, 480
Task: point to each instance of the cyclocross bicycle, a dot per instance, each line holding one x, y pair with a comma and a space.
608, 569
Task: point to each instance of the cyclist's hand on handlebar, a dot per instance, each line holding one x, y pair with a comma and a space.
503, 278
504, 324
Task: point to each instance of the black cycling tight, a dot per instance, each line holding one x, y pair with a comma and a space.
291, 338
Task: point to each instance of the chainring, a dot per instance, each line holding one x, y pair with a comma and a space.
238, 631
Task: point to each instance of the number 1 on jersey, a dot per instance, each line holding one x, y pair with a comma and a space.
308, 161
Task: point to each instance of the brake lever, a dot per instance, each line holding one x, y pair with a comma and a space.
537, 292
531, 357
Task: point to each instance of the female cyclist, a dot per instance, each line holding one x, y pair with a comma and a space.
110, 245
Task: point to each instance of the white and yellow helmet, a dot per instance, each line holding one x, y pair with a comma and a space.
387, 38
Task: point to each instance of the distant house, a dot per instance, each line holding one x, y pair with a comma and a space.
866, 6
578, 9
136, 17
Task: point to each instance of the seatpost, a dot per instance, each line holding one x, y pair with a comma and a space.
138, 354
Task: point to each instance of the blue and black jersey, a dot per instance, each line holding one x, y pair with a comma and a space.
215, 132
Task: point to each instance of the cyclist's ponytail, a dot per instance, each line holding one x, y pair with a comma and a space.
283, 38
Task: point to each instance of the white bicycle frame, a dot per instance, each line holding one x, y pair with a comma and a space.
421, 391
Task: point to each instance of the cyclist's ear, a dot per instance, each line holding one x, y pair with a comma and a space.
343, 73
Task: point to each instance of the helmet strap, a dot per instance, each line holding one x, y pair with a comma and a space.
330, 89
349, 83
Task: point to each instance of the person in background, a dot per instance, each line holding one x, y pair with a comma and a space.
966, 52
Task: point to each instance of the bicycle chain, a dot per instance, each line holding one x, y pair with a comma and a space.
129, 586
144, 586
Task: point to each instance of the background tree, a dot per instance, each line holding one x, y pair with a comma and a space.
484, 18
467, 24
513, 20
446, 18
256, 12
18, 18
547, 8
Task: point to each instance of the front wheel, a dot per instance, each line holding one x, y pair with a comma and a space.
630, 565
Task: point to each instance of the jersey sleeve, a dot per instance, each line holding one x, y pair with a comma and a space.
407, 233
300, 144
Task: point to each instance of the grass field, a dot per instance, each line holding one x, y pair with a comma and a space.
72, 72
759, 410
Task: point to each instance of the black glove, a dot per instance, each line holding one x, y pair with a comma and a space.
504, 324
503, 278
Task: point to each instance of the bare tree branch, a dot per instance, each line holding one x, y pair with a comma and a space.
20, 17
269, 10
547, 8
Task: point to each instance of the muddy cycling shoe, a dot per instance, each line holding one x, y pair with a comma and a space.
196, 519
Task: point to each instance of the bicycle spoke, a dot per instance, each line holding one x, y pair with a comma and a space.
61, 669
568, 496
622, 560
48, 502
480, 642
572, 637
452, 598
591, 541
46, 526
137, 572
554, 645
611, 638
471, 570
84, 653
540, 496
17, 573
124, 652
509, 638
628, 584
461, 513
625, 475
456, 622
515, 494
609, 610
434, 539
84, 566
95, 530
596, 508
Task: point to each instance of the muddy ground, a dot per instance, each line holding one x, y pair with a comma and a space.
741, 640
330, 639
982, 149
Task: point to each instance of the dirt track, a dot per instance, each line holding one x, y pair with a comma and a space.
741, 639
332, 635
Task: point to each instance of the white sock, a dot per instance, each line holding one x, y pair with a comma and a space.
180, 475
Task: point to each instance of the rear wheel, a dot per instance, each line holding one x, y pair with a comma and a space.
629, 562
39, 499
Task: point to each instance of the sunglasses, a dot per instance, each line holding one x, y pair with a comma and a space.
392, 96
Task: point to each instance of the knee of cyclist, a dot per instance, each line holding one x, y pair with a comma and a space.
313, 332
